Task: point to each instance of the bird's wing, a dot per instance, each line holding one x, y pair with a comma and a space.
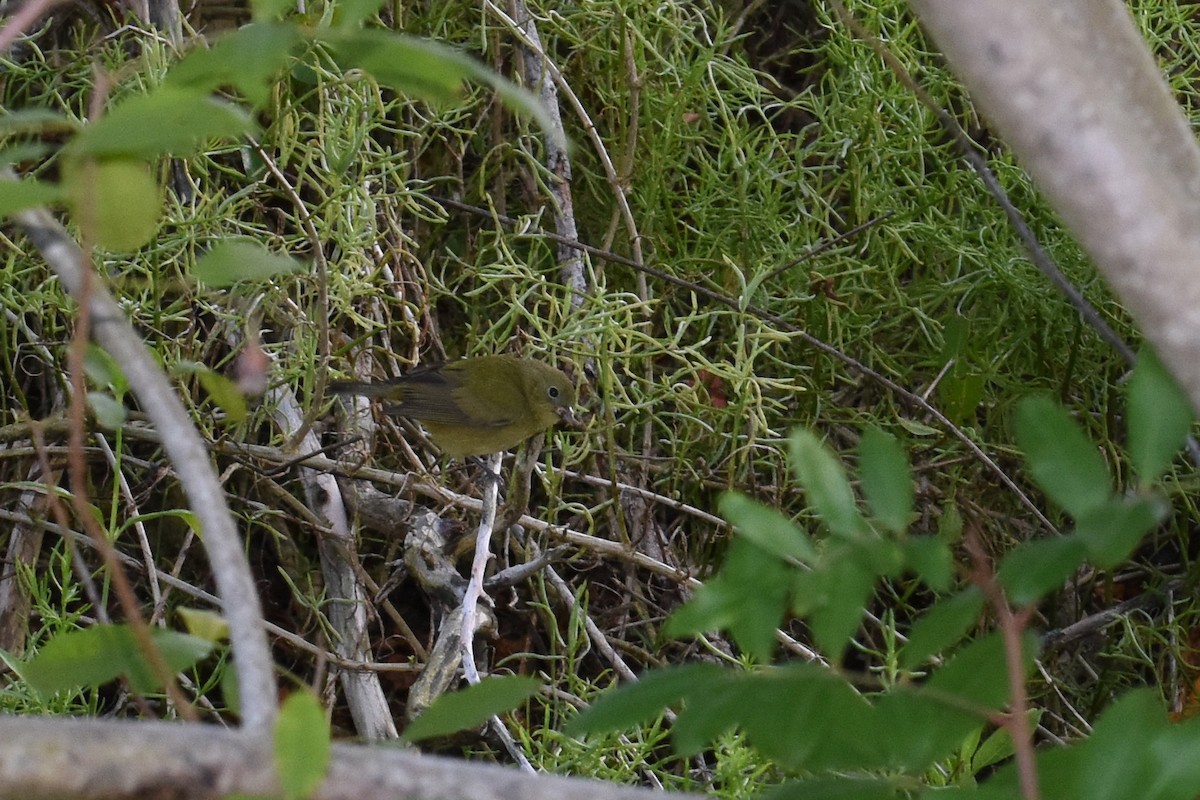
425, 398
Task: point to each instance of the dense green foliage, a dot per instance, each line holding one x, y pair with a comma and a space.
319, 211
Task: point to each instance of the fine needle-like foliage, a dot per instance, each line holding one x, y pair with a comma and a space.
859, 502
953, 680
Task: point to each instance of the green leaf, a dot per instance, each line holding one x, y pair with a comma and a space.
418, 67
749, 598
706, 716
97, 655
950, 524
847, 584
886, 479
999, 745
767, 528
781, 711
1063, 461
115, 201
353, 13
825, 483
1160, 416
207, 625
221, 390
944, 624
918, 428
956, 333
960, 393
103, 370
1176, 772
225, 393
1113, 531
248, 59
806, 717
914, 729
1037, 568
302, 748
636, 704
241, 259
471, 706
427, 70
919, 725
171, 119
1114, 765
27, 193
271, 9
930, 558
108, 410
977, 673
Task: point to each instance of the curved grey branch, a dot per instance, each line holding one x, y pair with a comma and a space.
183, 445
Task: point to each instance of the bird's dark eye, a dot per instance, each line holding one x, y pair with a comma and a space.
553, 392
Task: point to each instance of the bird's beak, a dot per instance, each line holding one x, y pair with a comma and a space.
567, 415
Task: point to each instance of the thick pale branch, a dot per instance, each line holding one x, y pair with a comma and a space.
1075, 93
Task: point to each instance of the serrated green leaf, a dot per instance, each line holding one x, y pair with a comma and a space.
302, 749
931, 559
977, 674
749, 598
1112, 769
767, 528
635, 704
472, 706
27, 193
787, 717
241, 259
914, 729
779, 710
97, 655
944, 624
706, 716
249, 59
847, 585
1037, 568
1113, 531
421, 68
886, 479
171, 119
428, 70
1063, 461
1159, 417
825, 484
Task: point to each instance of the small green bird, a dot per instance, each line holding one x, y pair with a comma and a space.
476, 406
